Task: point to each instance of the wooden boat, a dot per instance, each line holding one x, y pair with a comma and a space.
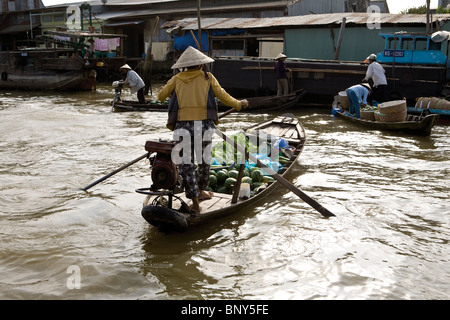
167, 210
414, 124
128, 105
269, 103
119, 105
59, 68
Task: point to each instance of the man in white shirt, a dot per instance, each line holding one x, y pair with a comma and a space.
376, 72
135, 82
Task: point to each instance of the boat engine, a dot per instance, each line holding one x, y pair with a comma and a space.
160, 212
117, 85
164, 171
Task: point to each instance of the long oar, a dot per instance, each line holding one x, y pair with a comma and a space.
115, 171
136, 160
313, 203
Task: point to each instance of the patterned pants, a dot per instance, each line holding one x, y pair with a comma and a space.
198, 144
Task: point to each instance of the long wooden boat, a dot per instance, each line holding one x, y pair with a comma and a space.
269, 103
128, 105
414, 124
168, 210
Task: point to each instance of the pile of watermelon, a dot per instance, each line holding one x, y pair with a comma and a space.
223, 180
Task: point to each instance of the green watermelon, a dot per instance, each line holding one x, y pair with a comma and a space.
256, 185
267, 179
221, 176
233, 174
229, 182
247, 180
257, 176
222, 190
212, 180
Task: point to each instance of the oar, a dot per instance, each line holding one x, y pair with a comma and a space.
115, 171
313, 203
136, 160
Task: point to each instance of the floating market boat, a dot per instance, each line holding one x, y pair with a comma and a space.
58, 61
414, 124
168, 209
432, 105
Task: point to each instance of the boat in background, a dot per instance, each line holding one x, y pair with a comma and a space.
269, 103
414, 64
432, 105
414, 124
58, 61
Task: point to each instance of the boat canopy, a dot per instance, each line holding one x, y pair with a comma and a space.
411, 48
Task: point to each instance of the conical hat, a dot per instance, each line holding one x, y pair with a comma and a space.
191, 57
280, 56
125, 66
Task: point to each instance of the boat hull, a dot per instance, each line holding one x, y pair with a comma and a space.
323, 78
415, 125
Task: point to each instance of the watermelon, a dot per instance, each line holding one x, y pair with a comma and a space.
267, 179
229, 182
256, 185
257, 176
222, 190
212, 180
221, 176
247, 180
233, 174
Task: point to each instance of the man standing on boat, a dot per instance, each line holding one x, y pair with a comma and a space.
376, 72
281, 74
135, 82
357, 97
192, 112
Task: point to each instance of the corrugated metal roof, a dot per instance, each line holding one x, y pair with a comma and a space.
304, 20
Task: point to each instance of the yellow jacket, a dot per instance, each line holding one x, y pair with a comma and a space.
191, 88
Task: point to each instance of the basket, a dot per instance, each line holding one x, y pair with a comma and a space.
393, 116
368, 115
392, 111
343, 99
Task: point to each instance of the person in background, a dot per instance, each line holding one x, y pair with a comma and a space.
376, 72
135, 82
357, 97
281, 75
193, 108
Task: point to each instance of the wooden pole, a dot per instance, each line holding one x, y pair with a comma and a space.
199, 25
341, 33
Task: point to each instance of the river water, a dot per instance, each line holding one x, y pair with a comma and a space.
389, 192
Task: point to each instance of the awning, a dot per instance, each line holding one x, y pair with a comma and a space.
123, 24
17, 29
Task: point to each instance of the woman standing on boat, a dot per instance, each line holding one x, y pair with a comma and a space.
135, 82
193, 109
281, 74
376, 72
357, 96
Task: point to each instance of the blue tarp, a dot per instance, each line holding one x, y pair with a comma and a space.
183, 42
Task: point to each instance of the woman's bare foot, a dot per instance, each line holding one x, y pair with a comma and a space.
195, 206
205, 195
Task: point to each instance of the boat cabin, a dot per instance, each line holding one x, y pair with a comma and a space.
411, 48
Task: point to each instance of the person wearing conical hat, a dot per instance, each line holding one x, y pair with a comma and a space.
281, 75
193, 110
376, 73
357, 97
135, 82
